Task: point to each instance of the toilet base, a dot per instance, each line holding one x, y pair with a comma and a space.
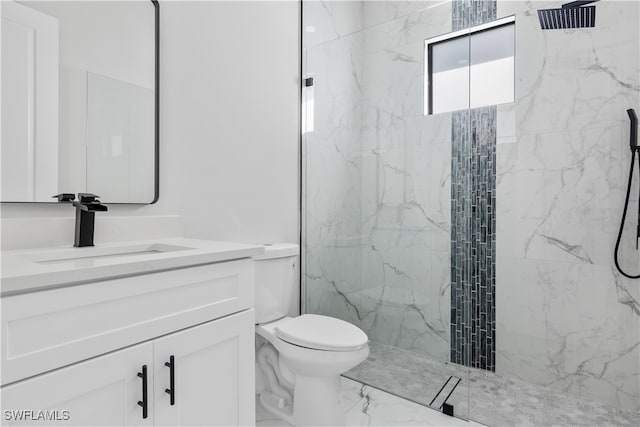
313, 374
269, 403
316, 401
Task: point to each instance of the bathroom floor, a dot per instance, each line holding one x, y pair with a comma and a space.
495, 400
368, 406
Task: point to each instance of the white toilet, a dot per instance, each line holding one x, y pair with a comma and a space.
299, 359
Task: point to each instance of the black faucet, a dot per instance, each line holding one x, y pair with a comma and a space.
86, 207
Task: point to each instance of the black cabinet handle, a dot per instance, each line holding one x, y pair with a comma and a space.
143, 402
171, 364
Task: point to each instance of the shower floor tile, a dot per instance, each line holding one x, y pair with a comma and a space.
412, 376
368, 406
482, 395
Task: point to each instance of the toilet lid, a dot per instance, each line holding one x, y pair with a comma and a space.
322, 333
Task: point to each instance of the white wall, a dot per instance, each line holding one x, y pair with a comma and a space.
229, 122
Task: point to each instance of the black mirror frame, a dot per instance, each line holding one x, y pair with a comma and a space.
156, 179
156, 194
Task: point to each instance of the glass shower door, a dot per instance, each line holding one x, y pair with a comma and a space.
378, 213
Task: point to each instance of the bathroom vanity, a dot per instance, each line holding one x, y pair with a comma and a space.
145, 333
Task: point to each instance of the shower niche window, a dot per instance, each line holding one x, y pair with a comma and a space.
470, 68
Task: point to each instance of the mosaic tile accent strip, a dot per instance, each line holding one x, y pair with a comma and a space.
467, 13
473, 218
473, 238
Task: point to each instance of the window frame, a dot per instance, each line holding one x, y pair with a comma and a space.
467, 32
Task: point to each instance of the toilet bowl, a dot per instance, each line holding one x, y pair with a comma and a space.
299, 359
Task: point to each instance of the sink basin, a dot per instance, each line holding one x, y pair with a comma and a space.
76, 255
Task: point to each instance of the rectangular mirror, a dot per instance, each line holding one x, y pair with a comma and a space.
80, 100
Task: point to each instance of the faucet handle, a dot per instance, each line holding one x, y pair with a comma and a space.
87, 197
64, 197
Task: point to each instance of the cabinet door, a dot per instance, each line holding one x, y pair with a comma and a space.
213, 374
100, 391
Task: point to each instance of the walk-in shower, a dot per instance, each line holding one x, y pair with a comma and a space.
471, 235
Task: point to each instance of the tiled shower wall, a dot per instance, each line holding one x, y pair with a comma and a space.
332, 161
467, 13
564, 316
377, 192
473, 238
473, 217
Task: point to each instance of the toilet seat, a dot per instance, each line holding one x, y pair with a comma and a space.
321, 333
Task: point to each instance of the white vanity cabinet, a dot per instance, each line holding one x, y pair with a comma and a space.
82, 349
213, 375
100, 391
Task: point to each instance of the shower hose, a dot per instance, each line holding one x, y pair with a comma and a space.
634, 151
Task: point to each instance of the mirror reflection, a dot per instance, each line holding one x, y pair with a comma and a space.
78, 100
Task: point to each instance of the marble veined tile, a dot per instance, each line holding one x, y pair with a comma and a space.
405, 297
560, 195
378, 408
570, 79
328, 20
571, 327
413, 375
367, 406
379, 12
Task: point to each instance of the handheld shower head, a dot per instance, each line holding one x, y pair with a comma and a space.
633, 143
633, 133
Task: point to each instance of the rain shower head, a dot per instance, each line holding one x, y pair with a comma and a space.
571, 15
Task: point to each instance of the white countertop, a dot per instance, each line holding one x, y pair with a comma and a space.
46, 268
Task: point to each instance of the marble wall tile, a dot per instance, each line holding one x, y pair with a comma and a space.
378, 408
571, 79
405, 292
412, 184
559, 196
569, 326
326, 20
380, 12
565, 317
332, 281
393, 64
331, 179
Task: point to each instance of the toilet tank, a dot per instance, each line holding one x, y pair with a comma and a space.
275, 281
